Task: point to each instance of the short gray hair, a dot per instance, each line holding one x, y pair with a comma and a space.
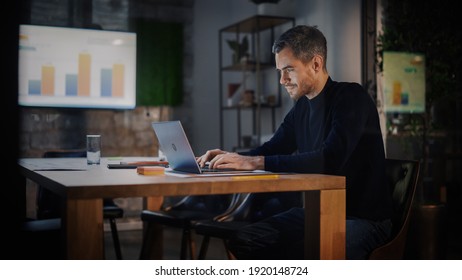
304, 41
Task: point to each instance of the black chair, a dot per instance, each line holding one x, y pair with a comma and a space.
184, 214
252, 207
49, 205
40, 239
402, 176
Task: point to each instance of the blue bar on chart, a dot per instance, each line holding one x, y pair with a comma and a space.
106, 82
71, 85
34, 87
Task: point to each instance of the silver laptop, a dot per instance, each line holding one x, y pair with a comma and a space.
175, 145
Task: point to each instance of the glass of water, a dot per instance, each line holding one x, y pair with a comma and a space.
93, 149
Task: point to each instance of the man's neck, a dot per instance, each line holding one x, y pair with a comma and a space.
319, 86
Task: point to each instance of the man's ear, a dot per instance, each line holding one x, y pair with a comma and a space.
317, 63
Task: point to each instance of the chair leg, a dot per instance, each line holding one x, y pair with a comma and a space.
192, 246
204, 247
184, 244
115, 239
228, 252
151, 234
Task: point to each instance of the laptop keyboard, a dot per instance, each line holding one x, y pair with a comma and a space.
209, 170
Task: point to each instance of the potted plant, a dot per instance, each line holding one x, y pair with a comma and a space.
240, 50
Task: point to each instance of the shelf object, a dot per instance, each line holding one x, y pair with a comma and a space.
250, 71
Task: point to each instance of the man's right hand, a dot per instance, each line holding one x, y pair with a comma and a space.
208, 156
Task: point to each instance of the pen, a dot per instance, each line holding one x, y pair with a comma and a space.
145, 163
264, 176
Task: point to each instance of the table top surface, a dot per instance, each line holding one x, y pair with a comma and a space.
73, 178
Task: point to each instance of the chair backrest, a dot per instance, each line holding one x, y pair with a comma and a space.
402, 177
253, 207
48, 204
65, 154
217, 204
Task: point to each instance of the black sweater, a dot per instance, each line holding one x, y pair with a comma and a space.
337, 132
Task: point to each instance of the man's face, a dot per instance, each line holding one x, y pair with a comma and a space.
296, 76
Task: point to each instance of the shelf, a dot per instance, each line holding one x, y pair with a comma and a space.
262, 105
256, 24
249, 66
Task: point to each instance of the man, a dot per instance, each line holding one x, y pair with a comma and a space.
333, 128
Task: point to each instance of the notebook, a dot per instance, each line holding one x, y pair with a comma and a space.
180, 156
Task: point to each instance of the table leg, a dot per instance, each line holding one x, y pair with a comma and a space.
325, 222
83, 229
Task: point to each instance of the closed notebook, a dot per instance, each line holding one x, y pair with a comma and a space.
150, 170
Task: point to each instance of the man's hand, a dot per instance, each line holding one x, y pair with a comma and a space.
208, 156
236, 161
222, 159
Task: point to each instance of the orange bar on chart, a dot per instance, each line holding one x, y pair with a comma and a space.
48, 80
83, 76
118, 80
396, 93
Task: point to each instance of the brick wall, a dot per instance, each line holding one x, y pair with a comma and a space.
123, 132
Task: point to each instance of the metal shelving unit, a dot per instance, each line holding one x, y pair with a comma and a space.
262, 31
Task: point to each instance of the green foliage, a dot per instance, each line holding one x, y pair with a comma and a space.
159, 63
240, 50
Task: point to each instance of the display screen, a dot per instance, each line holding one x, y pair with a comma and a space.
72, 67
404, 82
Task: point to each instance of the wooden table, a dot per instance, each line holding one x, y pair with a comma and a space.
83, 190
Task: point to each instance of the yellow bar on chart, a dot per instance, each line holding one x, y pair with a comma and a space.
83, 76
48, 80
118, 80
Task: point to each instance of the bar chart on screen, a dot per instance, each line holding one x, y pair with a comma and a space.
74, 67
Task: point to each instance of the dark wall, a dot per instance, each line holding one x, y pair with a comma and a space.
10, 187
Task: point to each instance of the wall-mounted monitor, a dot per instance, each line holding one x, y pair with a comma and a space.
80, 68
404, 82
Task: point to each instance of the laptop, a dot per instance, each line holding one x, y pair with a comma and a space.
180, 156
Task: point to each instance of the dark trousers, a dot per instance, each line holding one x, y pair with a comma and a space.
281, 237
